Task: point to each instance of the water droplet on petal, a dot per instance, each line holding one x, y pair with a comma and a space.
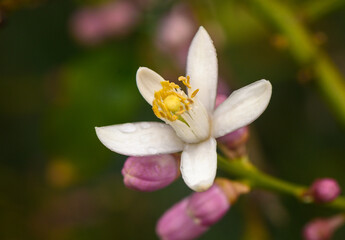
128, 128
145, 125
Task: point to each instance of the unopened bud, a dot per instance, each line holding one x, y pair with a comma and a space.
323, 190
322, 228
150, 173
223, 88
192, 216
119, 17
235, 139
87, 27
210, 206
220, 99
179, 20
93, 25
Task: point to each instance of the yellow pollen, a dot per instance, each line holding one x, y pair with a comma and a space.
185, 81
194, 93
171, 102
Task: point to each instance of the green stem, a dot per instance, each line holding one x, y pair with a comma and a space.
306, 52
315, 9
244, 170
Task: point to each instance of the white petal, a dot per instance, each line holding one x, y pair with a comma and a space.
140, 139
199, 164
202, 67
148, 83
241, 108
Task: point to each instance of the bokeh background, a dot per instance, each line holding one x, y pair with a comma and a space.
68, 66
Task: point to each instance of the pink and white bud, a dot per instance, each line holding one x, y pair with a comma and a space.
192, 216
223, 88
324, 190
175, 33
220, 99
179, 224
92, 25
119, 17
210, 206
236, 138
87, 27
150, 173
322, 228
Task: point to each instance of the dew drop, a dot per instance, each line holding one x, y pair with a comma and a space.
145, 125
128, 128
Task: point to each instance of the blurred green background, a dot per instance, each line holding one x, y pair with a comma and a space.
59, 182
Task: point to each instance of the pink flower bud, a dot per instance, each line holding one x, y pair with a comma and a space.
150, 173
175, 32
178, 224
93, 25
119, 17
322, 229
324, 190
176, 29
223, 88
236, 138
220, 99
192, 216
87, 27
210, 206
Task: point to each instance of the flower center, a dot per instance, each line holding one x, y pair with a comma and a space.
173, 103
170, 102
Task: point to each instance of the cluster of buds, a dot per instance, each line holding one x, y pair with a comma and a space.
323, 190
193, 216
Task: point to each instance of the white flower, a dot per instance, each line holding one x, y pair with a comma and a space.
191, 122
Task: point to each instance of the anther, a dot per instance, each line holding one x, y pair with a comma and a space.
194, 93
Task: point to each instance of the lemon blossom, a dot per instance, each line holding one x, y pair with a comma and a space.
191, 122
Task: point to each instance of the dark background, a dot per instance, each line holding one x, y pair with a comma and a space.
58, 181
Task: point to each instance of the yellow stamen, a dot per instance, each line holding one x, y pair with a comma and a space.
185, 81
194, 93
156, 111
180, 112
171, 102
188, 79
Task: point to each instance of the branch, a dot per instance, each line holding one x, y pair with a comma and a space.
241, 168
